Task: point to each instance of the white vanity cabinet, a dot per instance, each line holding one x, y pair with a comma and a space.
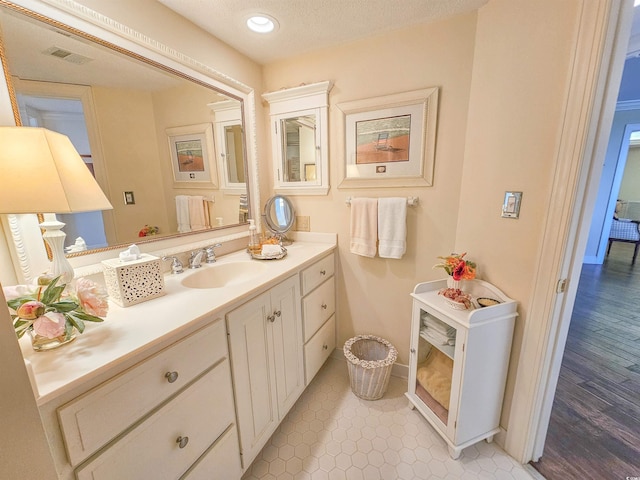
265, 340
159, 419
457, 383
318, 313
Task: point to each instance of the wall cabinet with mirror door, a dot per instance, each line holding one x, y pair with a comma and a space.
139, 89
300, 139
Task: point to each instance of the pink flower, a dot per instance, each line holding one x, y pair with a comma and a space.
50, 325
92, 298
30, 310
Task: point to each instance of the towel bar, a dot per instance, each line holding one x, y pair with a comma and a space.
411, 201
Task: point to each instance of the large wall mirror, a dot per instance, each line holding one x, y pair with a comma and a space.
122, 112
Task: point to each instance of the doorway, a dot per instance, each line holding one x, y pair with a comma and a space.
65, 115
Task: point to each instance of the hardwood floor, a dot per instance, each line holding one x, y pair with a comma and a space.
594, 431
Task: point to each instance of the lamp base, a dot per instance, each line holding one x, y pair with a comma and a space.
54, 236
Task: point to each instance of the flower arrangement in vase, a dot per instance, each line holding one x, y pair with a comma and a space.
148, 230
458, 268
52, 315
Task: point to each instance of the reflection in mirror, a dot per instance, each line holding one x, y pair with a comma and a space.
279, 217
116, 110
299, 148
229, 137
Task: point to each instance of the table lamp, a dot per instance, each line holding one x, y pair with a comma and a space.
41, 172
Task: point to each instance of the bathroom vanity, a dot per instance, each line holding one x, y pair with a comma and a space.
191, 384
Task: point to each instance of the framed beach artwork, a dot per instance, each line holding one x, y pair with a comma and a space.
389, 141
192, 156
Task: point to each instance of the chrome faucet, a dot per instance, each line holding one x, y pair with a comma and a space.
211, 254
176, 265
195, 260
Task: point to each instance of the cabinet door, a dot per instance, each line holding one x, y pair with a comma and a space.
286, 333
252, 368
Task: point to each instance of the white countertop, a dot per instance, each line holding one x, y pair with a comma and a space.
128, 332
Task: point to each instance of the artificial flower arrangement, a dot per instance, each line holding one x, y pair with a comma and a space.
52, 312
147, 230
458, 268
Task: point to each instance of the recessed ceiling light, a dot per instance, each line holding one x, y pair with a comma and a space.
262, 23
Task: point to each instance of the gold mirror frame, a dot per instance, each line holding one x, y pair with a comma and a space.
167, 69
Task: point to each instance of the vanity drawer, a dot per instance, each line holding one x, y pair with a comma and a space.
198, 415
318, 306
317, 273
318, 349
91, 420
221, 461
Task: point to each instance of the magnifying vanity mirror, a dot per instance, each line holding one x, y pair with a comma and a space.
279, 217
119, 109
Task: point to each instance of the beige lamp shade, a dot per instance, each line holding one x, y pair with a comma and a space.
41, 172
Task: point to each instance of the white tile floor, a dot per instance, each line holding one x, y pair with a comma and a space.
332, 434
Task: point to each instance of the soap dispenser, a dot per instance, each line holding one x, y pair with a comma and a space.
254, 242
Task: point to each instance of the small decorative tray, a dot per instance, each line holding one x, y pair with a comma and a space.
258, 256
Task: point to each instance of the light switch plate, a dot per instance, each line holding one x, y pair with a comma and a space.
511, 205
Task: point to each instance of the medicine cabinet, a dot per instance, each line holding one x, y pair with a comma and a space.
300, 139
230, 148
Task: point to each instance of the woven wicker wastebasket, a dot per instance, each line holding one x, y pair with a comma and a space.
369, 359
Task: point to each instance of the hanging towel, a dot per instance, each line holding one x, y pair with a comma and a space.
182, 213
196, 213
392, 227
364, 226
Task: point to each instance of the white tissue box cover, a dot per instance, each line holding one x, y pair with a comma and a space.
134, 281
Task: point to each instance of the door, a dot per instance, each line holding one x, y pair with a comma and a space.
252, 368
286, 331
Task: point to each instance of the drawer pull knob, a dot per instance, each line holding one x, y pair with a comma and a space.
182, 441
323, 272
171, 376
277, 313
323, 306
271, 318
325, 346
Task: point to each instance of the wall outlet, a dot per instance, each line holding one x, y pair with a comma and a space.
302, 224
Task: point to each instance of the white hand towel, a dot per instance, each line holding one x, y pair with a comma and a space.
364, 226
392, 227
182, 213
196, 213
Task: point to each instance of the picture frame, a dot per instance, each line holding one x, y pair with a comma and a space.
389, 141
192, 152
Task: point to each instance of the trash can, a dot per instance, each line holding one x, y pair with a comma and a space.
370, 360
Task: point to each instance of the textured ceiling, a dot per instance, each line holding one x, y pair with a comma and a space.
307, 25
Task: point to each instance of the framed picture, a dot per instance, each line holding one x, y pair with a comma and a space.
389, 141
193, 156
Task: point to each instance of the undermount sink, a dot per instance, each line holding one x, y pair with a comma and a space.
224, 274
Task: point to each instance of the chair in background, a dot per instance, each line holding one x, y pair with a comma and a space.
625, 230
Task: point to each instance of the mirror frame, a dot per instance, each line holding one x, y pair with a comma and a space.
271, 223
28, 252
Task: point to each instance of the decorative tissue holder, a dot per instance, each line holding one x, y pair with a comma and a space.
133, 281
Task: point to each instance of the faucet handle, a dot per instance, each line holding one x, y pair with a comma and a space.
211, 253
176, 265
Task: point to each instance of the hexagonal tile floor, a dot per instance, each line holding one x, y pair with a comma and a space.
331, 434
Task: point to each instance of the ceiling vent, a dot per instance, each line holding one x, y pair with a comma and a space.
67, 56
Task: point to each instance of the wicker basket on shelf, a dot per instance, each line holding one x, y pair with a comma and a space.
370, 360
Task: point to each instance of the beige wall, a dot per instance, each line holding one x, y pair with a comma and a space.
521, 86
373, 294
130, 149
630, 186
24, 451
